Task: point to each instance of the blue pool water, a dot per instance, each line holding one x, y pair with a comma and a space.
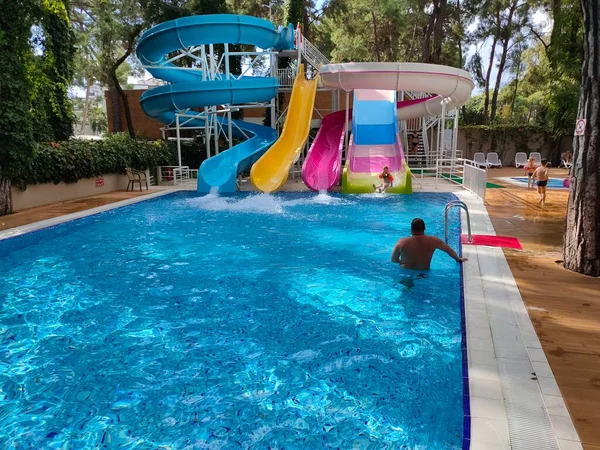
252, 321
552, 182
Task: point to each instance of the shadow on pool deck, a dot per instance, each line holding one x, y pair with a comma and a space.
53, 210
564, 306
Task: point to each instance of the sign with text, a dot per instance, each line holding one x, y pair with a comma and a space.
99, 182
580, 127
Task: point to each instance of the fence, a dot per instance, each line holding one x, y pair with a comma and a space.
475, 178
464, 172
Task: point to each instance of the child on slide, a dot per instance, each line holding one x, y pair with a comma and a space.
387, 180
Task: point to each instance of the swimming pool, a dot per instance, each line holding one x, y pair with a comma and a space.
249, 321
553, 183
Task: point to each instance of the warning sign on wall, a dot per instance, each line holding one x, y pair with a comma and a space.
99, 182
580, 127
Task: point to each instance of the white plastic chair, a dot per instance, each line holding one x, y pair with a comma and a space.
520, 159
537, 156
479, 158
565, 164
492, 160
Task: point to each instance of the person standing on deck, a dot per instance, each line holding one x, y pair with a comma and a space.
541, 175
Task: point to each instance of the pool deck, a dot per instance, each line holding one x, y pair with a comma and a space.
564, 306
504, 348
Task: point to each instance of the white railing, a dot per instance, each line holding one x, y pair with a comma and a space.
285, 77
475, 178
464, 172
175, 175
312, 54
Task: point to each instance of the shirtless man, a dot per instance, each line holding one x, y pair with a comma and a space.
541, 175
415, 252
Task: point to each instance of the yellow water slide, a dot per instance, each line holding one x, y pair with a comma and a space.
271, 171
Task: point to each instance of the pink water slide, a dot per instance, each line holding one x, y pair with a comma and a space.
322, 167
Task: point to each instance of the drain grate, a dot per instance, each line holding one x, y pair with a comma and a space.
528, 422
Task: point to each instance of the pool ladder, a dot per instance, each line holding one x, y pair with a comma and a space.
462, 205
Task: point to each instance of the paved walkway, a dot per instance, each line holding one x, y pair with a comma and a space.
564, 306
31, 215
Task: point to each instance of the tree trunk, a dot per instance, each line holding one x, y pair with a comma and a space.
375, 37
486, 104
504, 42
125, 101
86, 105
582, 231
494, 104
461, 63
5, 206
115, 106
428, 34
438, 30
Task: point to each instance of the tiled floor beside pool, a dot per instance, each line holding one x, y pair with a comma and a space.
507, 402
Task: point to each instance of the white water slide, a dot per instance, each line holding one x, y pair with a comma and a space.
454, 85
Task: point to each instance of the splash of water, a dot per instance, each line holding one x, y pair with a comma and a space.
261, 203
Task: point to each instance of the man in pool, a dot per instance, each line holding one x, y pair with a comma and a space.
416, 251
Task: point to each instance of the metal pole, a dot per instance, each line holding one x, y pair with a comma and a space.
346, 134
207, 132
229, 130
273, 114
206, 115
216, 133
213, 117
455, 134
178, 139
273, 103
299, 45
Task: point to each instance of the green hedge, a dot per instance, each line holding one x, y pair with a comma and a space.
74, 160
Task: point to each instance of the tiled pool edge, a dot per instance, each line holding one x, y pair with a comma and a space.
500, 341
466, 443
513, 182
35, 226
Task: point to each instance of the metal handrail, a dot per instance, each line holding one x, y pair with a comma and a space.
312, 54
462, 205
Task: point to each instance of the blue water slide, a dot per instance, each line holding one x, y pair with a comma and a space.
188, 89
374, 117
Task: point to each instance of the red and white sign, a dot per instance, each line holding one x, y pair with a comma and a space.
99, 182
580, 127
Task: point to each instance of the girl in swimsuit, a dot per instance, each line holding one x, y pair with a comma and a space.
529, 169
387, 179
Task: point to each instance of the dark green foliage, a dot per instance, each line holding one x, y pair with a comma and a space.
57, 63
294, 11
73, 160
193, 153
16, 133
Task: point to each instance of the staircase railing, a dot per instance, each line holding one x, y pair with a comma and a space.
312, 54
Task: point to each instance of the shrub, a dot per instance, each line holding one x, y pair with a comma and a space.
73, 160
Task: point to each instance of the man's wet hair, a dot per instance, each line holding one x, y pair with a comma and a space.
417, 226
544, 161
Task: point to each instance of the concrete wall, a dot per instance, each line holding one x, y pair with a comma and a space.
536, 142
44, 194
